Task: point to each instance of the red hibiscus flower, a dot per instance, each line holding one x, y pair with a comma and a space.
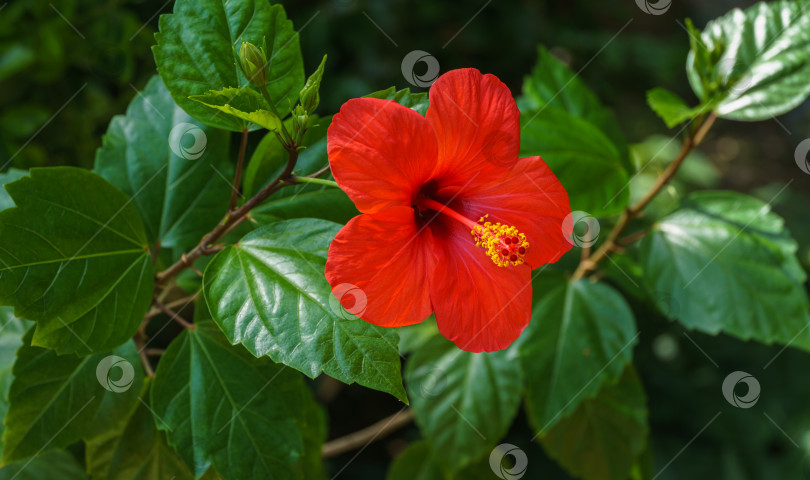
453, 221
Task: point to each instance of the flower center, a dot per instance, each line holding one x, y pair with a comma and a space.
503, 244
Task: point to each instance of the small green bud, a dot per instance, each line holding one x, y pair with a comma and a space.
309, 96
254, 65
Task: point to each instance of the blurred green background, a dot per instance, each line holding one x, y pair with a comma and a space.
68, 66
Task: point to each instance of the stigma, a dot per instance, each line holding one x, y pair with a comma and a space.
503, 244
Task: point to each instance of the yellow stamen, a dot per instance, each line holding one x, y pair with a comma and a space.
503, 244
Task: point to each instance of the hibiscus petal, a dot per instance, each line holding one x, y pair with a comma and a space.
530, 198
380, 264
380, 152
477, 125
479, 306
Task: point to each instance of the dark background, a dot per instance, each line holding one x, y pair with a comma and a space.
68, 66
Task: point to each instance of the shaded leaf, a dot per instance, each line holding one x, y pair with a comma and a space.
195, 53
269, 294
296, 201
580, 338
12, 330
174, 168
464, 402
247, 417
605, 436
585, 160
48, 466
74, 258
136, 450
552, 84
56, 400
724, 262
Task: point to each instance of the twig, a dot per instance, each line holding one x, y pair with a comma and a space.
180, 302
144, 358
237, 176
177, 318
319, 172
155, 352
203, 248
632, 238
367, 435
308, 179
634, 210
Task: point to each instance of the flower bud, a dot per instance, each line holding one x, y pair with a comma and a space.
254, 65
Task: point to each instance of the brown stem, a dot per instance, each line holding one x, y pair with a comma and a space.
319, 172
632, 238
155, 352
174, 316
237, 177
180, 302
204, 247
144, 357
634, 210
367, 435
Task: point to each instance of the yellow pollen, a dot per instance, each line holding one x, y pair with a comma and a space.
503, 244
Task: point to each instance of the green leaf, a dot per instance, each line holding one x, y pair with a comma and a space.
580, 338
246, 417
585, 160
671, 108
605, 436
195, 53
296, 201
12, 330
8, 177
56, 400
74, 258
269, 294
754, 64
724, 262
464, 402
416, 461
553, 85
309, 95
412, 337
415, 101
325, 203
136, 450
244, 104
174, 168
52, 464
